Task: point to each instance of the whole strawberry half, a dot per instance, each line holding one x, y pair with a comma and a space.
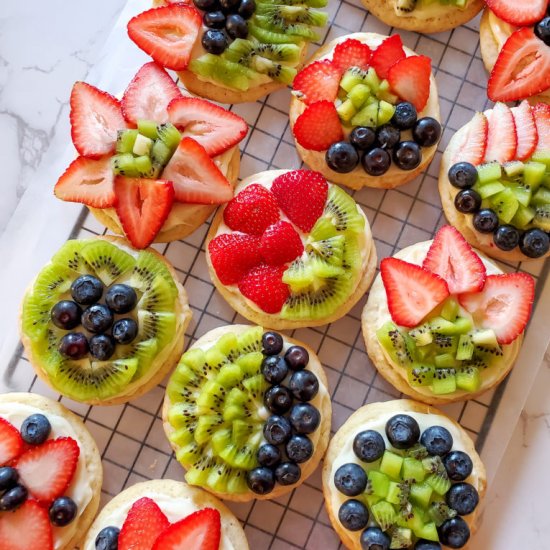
318, 127
26, 528
409, 78
386, 55
281, 244
264, 286
317, 81
143, 525
11, 443
351, 53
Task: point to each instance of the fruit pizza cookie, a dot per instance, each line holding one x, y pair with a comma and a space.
103, 323
402, 474
515, 46
230, 51
424, 15
50, 475
494, 181
291, 250
248, 413
442, 322
165, 515
365, 112
154, 165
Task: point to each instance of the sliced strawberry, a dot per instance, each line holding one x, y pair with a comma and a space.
502, 141
318, 127
214, 127
473, 143
520, 14
452, 258
522, 68
504, 305
412, 291
47, 471
142, 206
317, 81
95, 120
541, 112
11, 444
351, 53
167, 34
196, 177
264, 286
302, 195
409, 78
143, 525
251, 211
26, 528
149, 94
198, 531
387, 55
233, 255
526, 131
88, 181
281, 243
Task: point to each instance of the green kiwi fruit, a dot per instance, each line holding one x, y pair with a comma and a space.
270, 37
277, 24
291, 15
384, 514
401, 538
216, 67
542, 217
440, 512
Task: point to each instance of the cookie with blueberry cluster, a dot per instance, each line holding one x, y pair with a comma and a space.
248, 413
50, 474
401, 474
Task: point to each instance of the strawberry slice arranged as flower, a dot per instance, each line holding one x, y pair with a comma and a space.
26, 528
504, 305
526, 130
280, 244
474, 141
520, 13
412, 291
318, 81
409, 78
541, 112
11, 443
143, 525
351, 53
502, 140
318, 127
264, 286
387, 55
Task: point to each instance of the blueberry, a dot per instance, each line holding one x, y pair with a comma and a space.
87, 290
462, 175
506, 237
268, 455
534, 243
387, 136
362, 138
437, 440
125, 330
97, 318
107, 539
247, 8
404, 116
353, 515
423, 544
236, 26
278, 399
277, 430
463, 498
350, 479
458, 465
35, 429
214, 41
102, 346
62, 511
542, 30
274, 369
304, 385
485, 221
299, 448
427, 131
66, 314
407, 155
287, 473
214, 20
342, 157
467, 201
374, 538
121, 298
304, 418
296, 357
272, 343
376, 162
229, 6
73, 345
260, 480
8, 478
206, 5
454, 532
403, 431
13, 498
369, 446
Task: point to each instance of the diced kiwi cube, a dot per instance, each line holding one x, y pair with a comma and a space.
490, 171
372, 80
352, 77
513, 168
422, 335
505, 205
542, 217
522, 193
420, 375
450, 310
413, 469
428, 532
543, 157
489, 189
533, 174
147, 128
371, 500
401, 538
465, 348
394, 493
439, 512
420, 494
384, 514
413, 520
397, 344
346, 111
142, 145
485, 337
385, 94
380, 483
125, 140
523, 216
368, 116
439, 482
358, 95
144, 166
391, 464
442, 326
385, 112
541, 197
468, 379
444, 381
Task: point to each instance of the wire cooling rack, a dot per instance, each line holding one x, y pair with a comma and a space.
130, 437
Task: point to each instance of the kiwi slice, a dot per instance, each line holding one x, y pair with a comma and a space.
107, 260
216, 67
270, 37
274, 23
542, 217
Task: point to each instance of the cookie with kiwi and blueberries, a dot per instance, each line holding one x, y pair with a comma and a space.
247, 412
165, 515
231, 51
160, 161
50, 474
365, 111
291, 250
513, 34
103, 323
494, 181
442, 322
401, 474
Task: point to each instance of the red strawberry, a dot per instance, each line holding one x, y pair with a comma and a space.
167, 34
521, 14
47, 471
409, 78
526, 131
198, 531
504, 305
148, 95
264, 286
233, 255
90, 182
142, 206
281, 244
473, 142
214, 127
196, 177
142, 526
26, 528
386, 55
302, 195
351, 53
11, 443
95, 119
452, 258
541, 112
252, 210
502, 141
522, 68
318, 127
412, 291
317, 81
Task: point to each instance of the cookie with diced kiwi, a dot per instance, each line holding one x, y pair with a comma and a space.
103, 323
247, 412
291, 250
442, 323
401, 474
